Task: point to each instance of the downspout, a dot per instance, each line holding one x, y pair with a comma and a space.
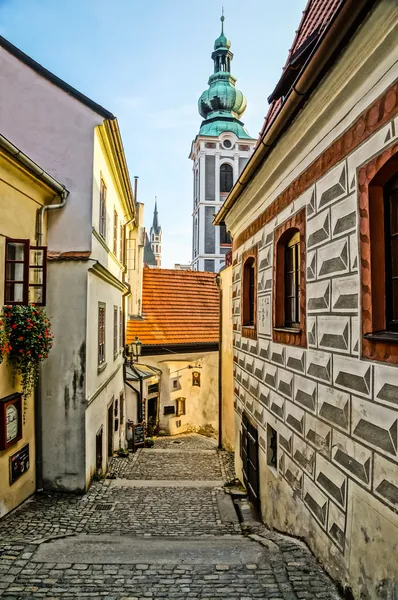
40, 215
125, 294
220, 403
38, 389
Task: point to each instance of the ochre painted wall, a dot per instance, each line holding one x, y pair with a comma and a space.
227, 375
20, 197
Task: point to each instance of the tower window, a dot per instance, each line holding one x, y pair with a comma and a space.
225, 238
226, 178
227, 144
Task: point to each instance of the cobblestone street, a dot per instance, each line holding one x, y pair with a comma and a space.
162, 527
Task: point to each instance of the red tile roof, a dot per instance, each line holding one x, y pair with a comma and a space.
316, 17
179, 307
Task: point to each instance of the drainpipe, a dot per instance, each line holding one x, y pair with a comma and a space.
40, 215
125, 294
219, 285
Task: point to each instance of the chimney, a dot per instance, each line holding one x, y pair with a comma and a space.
135, 188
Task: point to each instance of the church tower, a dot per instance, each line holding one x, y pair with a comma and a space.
219, 153
153, 243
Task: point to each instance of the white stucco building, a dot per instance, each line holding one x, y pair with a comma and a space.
219, 153
81, 416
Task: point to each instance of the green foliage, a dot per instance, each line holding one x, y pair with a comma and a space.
26, 340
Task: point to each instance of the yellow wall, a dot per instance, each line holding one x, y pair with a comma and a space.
20, 197
228, 425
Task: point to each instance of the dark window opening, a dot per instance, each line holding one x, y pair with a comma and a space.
391, 250
102, 219
226, 178
101, 333
225, 238
249, 292
272, 447
153, 388
292, 281
115, 229
115, 337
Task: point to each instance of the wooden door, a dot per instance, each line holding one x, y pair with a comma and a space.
249, 455
110, 430
98, 450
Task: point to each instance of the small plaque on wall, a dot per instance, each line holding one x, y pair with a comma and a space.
10, 420
19, 464
196, 378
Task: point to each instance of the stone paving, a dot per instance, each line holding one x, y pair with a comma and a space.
157, 513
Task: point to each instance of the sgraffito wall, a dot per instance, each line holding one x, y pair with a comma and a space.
332, 402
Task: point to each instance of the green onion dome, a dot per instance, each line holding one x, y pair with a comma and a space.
222, 97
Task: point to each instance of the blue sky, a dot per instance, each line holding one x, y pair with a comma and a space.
148, 62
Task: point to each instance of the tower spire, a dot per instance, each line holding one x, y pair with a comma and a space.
222, 21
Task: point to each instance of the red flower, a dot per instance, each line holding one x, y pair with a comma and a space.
14, 326
20, 338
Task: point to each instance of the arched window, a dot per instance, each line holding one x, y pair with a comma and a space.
289, 282
226, 178
249, 293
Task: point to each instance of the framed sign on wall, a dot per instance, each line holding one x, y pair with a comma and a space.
10, 420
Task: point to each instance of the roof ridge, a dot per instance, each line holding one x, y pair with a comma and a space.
66, 87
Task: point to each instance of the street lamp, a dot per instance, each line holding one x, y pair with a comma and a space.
135, 349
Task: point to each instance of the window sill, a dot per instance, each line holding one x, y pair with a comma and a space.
296, 330
102, 367
382, 336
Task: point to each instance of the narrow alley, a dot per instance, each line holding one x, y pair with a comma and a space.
162, 527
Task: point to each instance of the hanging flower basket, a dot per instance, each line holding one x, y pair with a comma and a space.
25, 339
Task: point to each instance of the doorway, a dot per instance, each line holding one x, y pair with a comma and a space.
249, 456
98, 450
153, 409
110, 429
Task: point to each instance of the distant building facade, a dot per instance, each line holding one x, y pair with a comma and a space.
153, 242
176, 378
219, 153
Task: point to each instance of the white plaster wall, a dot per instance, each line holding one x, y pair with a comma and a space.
64, 377
101, 291
201, 402
57, 132
113, 202
97, 417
